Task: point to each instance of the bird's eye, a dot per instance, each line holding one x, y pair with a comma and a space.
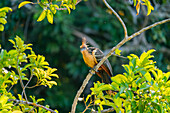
83, 48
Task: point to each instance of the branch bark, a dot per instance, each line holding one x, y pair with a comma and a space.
118, 17
105, 110
33, 104
106, 57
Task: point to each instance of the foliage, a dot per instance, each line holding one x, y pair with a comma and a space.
3, 12
142, 88
143, 2
16, 65
50, 7
61, 48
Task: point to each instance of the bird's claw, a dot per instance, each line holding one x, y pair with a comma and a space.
92, 69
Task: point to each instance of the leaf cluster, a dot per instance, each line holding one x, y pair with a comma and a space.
50, 7
16, 65
142, 88
143, 2
3, 20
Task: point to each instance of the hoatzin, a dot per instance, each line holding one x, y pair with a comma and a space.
92, 56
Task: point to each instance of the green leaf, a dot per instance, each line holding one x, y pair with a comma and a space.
50, 16
3, 21
122, 89
2, 14
144, 86
1, 27
105, 87
148, 76
24, 3
42, 16
118, 102
130, 94
74, 1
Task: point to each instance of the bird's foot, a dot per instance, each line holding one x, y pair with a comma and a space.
92, 69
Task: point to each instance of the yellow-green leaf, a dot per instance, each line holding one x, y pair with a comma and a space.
119, 78
17, 111
56, 6
148, 77
6, 9
87, 98
117, 52
1, 27
42, 16
3, 20
24, 3
50, 16
67, 8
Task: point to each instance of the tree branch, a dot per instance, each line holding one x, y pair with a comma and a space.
118, 17
81, 90
105, 110
33, 104
92, 71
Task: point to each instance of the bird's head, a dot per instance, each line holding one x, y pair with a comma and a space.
83, 46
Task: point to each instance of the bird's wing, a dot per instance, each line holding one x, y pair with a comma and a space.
98, 56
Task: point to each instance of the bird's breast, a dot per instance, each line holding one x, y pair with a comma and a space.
88, 58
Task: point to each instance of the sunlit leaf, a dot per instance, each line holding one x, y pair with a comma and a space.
6, 9
50, 16
40, 100
3, 21
148, 76
1, 27
17, 111
42, 16
12, 41
87, 98
67, 8
117, 52
24, 3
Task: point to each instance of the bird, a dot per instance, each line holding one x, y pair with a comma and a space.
92, 56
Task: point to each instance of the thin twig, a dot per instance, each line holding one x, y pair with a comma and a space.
118, 17
81, 90
106, 57
27, 82
22, 84
105, 110
119, 56
10, 88
30, 87
33, 104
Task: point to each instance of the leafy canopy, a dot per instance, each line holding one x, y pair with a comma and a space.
142, 88
15, 65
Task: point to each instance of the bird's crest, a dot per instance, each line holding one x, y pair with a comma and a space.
83, 40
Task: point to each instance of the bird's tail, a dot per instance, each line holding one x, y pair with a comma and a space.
104, 76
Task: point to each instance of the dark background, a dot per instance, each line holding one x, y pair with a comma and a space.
60, 43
